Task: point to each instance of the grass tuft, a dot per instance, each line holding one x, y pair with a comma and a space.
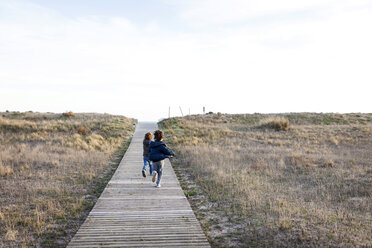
11, 235
5, 170
329, 163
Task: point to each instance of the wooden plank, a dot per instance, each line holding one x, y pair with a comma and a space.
131, 212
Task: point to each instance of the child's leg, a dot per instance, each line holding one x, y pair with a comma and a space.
155, 171
145, 163
151, 167
160, 171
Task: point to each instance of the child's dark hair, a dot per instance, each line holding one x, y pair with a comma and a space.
148, 136
159, 135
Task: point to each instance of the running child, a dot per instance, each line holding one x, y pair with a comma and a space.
146, 160
158, 152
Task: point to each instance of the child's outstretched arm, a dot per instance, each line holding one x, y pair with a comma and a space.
167, 151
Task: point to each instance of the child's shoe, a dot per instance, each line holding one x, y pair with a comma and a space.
154, 177
143, 173
158, 186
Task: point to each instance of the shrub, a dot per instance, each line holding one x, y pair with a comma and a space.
82, 130
276, 123
68, 114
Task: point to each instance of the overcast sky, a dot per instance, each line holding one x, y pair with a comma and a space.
137, 58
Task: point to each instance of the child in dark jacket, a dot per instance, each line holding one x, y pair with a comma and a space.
146, 160
158, 152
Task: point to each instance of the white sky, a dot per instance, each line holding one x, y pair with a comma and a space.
137, 58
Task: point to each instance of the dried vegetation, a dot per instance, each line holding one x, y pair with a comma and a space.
285, 180
52, 169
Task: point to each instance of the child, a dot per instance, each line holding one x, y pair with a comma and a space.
146, 161
158, 152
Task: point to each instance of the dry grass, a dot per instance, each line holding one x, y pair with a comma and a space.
309, 186
52, 169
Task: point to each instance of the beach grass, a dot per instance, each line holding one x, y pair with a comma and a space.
53, 168
277, 180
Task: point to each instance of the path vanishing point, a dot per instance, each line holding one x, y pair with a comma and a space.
131, 212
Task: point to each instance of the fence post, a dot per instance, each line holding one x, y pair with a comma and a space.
181, 111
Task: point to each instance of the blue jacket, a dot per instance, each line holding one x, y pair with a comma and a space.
159, 151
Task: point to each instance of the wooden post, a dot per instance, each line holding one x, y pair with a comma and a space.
181, 111
169, 112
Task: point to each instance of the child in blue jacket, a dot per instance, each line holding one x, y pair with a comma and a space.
158, 152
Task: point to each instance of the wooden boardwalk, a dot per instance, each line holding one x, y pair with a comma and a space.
131, 212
